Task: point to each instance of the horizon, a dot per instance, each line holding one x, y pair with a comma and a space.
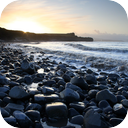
101, 19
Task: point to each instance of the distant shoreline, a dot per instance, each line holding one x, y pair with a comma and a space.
20, 36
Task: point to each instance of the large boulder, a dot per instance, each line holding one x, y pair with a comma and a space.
80, 82
18, 92
56, 110
106, 95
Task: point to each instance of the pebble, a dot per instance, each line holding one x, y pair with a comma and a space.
55, 93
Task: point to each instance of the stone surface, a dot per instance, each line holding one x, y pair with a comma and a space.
119, 109
4, 113
18, 92
23, 120
90, 79
124, 103
78, 119
80, 82
93, 119
106, 95
56, 110
3, 80
115, 121
69, 95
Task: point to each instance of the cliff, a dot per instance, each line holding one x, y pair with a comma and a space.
20, 36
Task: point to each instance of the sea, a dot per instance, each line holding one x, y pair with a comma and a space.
97, 55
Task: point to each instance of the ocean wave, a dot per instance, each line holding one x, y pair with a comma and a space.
85, 48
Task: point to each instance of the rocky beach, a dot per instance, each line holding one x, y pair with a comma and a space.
42, 93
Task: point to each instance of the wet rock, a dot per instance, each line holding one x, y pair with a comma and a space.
11, 120
106, 95
3, 80
33, 115
92, 93
73, 87
119, 109
80, 82
93, 119
7, 100
66, 78
119, 98
4, 89
5, 61
72, 112
38, 125
12, 107
61, 66
4, 113
105, 106
18, 92
90, 79
41, 98
23, 120
78, 119
2, 95
70, 73
124, 103
27, 67
115, 121
28, 80
13, 83
69, 95
79, 106
34, 106
49, 82
56, 110
125, 94
47, 90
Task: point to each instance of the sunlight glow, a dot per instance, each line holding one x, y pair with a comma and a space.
28, 26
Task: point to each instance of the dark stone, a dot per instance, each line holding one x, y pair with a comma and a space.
33, 115
125, 94
47, 90
61, 82
124, 83
115, 121
3, 80
28, 80
41, 98
73, 87
125, 103
113, 75
78, 119
93, 119
101, 78
13, 83
119, 109
4, 89
23, 120
56, 110
80, 82
7, 100
38, 125
106, 95
119, 98
28, 67
4, 113
66, 78
72, 112
90, 79
5, 61
89, 71
79, 106
18, 92
12, 107
49, 82
69, 95
61, 66
34, 106
70, 73
11, 120
105, 106
2, 95
92, 93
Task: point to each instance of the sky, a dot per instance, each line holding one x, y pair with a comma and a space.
100, 19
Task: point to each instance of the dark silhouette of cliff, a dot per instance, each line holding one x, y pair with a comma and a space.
20, 36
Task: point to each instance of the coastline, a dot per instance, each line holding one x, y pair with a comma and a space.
58, 86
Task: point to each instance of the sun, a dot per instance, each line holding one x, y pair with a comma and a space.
28, 26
